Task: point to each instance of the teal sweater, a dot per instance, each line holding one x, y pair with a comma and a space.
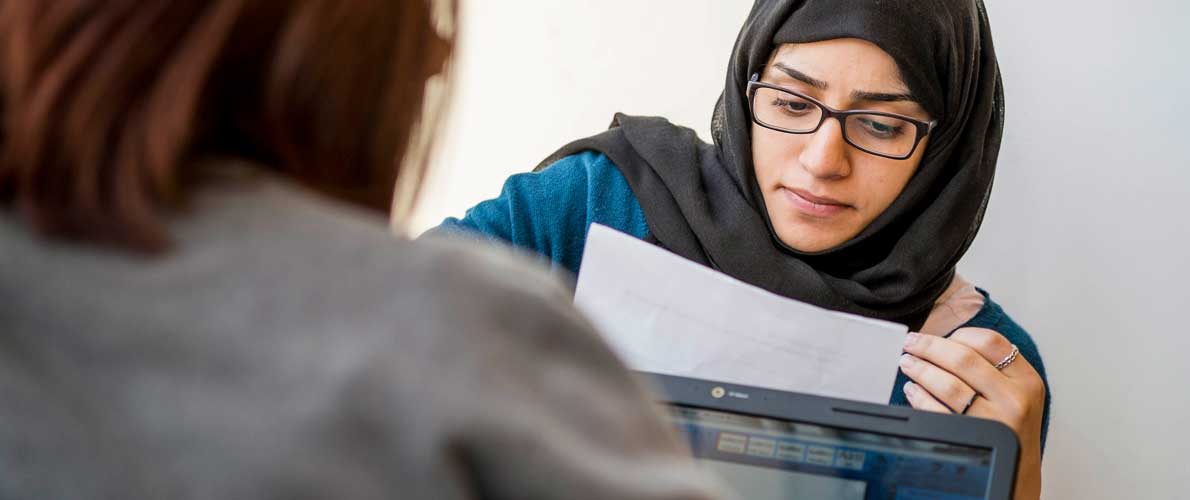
548, 213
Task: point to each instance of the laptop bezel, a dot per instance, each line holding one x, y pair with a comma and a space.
898, 421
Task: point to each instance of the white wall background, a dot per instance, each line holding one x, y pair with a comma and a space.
1085, 241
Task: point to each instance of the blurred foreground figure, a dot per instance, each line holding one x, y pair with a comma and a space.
200, 296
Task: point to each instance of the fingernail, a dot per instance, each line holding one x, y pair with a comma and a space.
906, 361
909, 388
911, 339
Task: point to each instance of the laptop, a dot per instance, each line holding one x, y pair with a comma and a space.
768, 444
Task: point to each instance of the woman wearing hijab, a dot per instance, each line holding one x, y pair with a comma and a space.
854, 149
201, 296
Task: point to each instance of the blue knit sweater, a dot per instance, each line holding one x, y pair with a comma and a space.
548, 213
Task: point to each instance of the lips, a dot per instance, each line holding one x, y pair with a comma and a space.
820, 200
816, 206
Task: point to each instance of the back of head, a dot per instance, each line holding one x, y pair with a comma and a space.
109, 107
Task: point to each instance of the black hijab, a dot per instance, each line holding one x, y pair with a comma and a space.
702, 201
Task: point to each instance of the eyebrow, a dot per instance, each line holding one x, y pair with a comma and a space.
804, 78
858, 95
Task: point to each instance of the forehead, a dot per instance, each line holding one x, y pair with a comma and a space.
846, 62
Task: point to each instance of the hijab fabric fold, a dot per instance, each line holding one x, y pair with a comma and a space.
702, 201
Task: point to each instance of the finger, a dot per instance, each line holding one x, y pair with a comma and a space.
942, 385
984, 408
961, 361
994, 348
922, 400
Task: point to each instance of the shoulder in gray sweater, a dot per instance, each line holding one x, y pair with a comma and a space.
291, 347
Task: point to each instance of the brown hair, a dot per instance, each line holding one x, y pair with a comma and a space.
107, 106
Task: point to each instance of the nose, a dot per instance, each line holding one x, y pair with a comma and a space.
825, 154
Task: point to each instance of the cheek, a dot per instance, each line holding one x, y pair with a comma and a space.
889, 178
772, 152
883, 183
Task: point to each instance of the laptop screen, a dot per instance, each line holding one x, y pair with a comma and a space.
764, 458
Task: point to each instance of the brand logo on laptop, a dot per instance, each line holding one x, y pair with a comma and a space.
718, 392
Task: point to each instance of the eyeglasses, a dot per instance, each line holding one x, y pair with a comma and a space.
883, 134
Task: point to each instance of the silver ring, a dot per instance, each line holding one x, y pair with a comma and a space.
1009, 358
969, 403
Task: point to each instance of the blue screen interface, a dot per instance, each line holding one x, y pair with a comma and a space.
763, 458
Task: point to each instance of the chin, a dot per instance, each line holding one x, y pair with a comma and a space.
797, 239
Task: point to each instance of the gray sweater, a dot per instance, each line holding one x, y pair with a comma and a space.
291, 347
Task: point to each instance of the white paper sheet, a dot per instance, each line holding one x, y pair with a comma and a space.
665, 314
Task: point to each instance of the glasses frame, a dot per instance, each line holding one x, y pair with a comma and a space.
923, 128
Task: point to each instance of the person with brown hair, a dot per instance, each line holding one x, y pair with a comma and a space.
200, 296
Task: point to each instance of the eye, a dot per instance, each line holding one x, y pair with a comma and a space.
872, 126
792, 106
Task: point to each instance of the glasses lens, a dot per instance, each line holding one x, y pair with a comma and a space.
785, 111
881, 134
